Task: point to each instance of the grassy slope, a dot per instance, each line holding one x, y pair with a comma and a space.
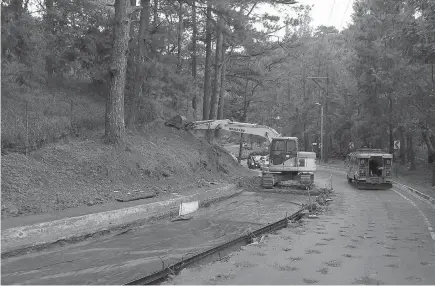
85, 171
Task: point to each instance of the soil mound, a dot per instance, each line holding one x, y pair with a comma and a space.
80, 172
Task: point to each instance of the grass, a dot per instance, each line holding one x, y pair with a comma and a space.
58, 112
51, 116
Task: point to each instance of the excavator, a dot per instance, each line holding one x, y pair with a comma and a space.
287, 163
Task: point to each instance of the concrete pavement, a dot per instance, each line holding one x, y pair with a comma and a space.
19, 236
120, 258
365, 237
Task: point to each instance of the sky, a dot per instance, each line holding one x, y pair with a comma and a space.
330, 12
324, 12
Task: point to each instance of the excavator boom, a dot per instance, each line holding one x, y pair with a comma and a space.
239, 127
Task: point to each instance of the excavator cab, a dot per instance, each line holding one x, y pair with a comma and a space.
283, 149
287, 163
283, 154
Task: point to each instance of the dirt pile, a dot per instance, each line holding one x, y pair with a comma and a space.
158, 159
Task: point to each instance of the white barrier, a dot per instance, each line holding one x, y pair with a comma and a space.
187, 208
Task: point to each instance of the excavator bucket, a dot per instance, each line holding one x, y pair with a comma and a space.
177, 121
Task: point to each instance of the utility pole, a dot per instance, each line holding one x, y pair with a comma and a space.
322, 156
328, 125
321, 128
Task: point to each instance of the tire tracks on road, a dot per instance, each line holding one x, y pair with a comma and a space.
411, 192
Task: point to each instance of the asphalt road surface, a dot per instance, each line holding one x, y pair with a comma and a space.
365, 237
127, 256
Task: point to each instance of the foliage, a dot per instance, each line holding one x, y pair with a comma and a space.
379, 86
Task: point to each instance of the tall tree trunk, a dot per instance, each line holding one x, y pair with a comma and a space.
402, 153
49, 29
411, 153
326, 134
390, 125
217, 69
207, 79
304, 83
429, 139
220, 114
17, 8
239, 158
245, 108
305, 136
155, 14
115, 127
327, 128
194, 38
179, 34
131, 57
155, 40
140, 60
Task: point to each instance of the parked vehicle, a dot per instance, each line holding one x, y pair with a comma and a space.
264, 162
254, 158
370, 168
254, 162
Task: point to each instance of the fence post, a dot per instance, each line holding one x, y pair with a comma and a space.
27, 130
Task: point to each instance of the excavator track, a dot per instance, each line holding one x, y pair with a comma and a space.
268, 181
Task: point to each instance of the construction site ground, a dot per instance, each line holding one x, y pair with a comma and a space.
122, 257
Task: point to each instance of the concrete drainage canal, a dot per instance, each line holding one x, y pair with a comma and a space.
152, 252
241, 220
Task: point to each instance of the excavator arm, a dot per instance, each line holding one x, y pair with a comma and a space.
238, 127
223, 124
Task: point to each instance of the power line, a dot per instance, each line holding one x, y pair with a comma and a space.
345, 11
330, 13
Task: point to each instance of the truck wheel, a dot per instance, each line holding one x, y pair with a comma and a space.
349, 179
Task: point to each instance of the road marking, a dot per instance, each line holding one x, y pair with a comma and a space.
426, 221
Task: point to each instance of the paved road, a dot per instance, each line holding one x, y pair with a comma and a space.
125, 257
365, 237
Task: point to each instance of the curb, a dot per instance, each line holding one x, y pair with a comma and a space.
30, 238
428, 199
